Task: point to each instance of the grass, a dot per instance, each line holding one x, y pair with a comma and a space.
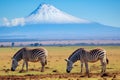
57, 64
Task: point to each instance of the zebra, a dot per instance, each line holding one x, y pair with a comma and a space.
87, 56
29, 55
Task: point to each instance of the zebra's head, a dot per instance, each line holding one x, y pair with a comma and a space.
69, 65
14, 64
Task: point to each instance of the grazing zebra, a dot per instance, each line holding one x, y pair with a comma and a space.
29, 55
87, 56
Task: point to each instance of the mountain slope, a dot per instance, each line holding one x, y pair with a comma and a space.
49, 14
60, 31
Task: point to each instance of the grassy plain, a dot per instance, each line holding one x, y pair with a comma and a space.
56, 67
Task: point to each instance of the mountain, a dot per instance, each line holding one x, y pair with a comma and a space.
46, 13
48, 22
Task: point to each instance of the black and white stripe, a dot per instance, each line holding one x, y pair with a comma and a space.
30, 55
87, 56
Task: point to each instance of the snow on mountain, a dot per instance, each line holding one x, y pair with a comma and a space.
49, 14
44, 13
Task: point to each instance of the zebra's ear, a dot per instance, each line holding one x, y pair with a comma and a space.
66, 60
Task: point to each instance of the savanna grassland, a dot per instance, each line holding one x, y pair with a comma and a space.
56, 67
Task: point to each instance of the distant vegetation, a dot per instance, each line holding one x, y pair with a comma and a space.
61, 43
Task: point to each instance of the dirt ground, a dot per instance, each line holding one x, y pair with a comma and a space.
67, 76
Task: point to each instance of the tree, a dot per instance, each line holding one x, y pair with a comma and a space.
12, 44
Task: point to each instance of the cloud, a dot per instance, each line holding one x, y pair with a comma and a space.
13, 22
18, 21
6, 22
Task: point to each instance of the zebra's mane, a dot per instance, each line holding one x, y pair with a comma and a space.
75, 52
18, 53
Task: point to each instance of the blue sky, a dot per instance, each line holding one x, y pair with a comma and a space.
103, 11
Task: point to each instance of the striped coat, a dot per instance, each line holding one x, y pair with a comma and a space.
30, 55
87, 56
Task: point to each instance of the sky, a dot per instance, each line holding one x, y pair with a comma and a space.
106, 12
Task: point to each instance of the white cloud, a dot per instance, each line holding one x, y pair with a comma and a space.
18, 21
13, 22
6, 22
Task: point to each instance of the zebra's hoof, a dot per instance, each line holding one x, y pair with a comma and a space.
88, 76
103, 75
21, 71
42, 71
12, 69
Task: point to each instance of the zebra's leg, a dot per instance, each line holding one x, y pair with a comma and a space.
103, 63
43, 64
23, 65
87, 70
81, 67
101, 60
104, 68
26, 66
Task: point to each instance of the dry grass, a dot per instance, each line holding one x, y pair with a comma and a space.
57, 65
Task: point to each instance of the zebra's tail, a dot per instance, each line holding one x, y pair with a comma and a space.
107, 60
46, 62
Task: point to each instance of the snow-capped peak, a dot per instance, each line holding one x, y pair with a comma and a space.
44, 8
44, 13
